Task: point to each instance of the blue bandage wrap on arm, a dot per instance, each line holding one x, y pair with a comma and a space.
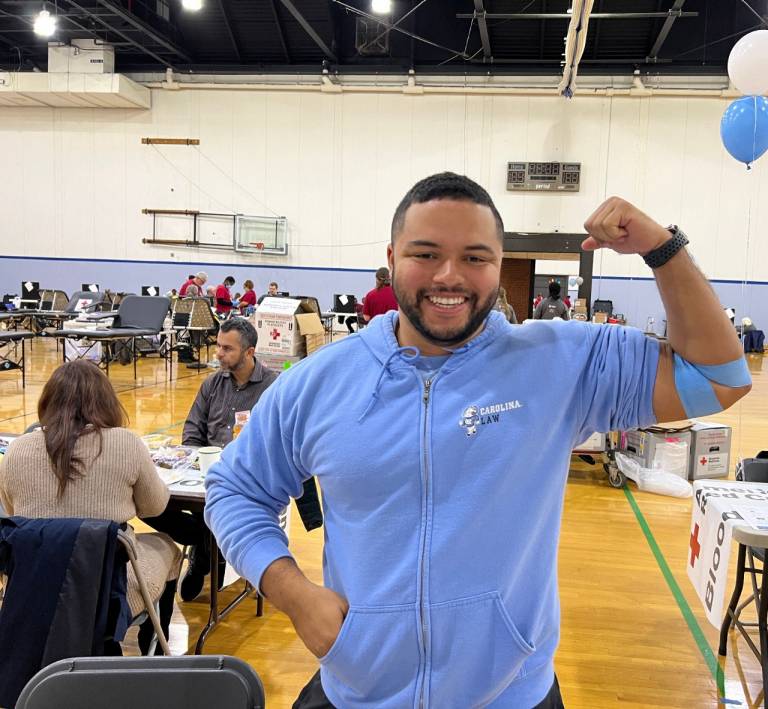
694, 389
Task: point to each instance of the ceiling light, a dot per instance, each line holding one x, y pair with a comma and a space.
192, 5
45, 24
381, 7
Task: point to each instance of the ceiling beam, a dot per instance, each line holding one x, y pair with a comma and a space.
230, 32
389, 26
318, 40
24, 54
280, 33
542, 30
567, 16
128, 39
482, 25
146, 29
596, 33
665, 29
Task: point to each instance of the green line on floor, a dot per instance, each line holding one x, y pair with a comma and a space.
693, 625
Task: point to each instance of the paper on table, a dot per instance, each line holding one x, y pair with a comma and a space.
756, 517
169, 475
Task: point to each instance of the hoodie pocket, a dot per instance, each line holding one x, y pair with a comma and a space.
476, 651
376, 655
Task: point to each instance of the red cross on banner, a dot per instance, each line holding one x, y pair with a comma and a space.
703, 461
695, 546
275, 334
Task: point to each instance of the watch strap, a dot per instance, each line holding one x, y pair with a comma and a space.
658, 257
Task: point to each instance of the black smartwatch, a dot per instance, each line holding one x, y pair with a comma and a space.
658, 257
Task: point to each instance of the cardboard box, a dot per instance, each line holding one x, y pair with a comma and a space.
581, 303
601, 318
642, 444
281, 325
314, 341
710, 451
278, 363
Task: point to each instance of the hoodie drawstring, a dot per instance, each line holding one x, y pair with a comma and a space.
410, 353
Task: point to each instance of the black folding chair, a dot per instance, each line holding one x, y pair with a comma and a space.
186, 682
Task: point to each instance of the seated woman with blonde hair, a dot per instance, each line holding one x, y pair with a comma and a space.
83, 463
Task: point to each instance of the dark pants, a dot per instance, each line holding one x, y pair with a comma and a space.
313, 697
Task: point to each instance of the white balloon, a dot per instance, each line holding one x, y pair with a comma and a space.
579, 280
748, 63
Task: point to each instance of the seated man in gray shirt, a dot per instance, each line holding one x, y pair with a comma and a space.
552, 307
235, 388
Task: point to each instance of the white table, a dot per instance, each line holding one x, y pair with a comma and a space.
718, 507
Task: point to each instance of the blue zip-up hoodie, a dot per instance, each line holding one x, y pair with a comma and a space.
442, 499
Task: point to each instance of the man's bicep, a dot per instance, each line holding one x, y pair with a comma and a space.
667, 405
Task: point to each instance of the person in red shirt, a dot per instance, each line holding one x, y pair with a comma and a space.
381, 298
198, 280
223, 297
248, 299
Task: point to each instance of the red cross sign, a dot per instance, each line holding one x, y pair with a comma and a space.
695, 546
275, 334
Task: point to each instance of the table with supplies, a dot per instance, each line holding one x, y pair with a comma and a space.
179, 469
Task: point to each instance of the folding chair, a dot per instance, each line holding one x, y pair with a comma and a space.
188, 682
194, 323
752, 548
24, 543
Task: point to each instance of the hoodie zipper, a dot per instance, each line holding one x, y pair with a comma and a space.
422, 570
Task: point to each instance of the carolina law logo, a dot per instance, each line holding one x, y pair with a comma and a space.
475, 416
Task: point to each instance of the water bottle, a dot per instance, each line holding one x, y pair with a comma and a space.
650, 323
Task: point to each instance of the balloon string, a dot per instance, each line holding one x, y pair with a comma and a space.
754, 134
744, 305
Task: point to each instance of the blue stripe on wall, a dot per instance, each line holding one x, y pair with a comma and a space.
636, 298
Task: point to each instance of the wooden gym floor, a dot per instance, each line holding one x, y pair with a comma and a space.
633, 631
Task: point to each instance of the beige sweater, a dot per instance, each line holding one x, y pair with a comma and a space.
119, 484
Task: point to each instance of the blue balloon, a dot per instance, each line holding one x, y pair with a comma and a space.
744, 128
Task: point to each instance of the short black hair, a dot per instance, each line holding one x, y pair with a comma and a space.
445, 185
229, 281
247, 332
554, 289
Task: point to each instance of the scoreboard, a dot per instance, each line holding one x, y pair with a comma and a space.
544, 176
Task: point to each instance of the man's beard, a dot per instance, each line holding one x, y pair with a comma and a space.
237, 365
448, 338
